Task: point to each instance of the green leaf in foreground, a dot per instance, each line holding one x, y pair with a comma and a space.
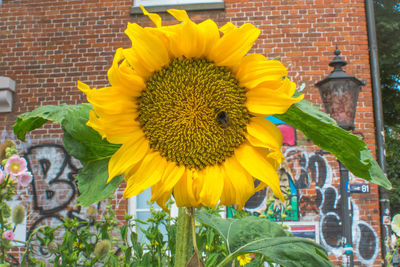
30, 121
326, 134
81, 141
258, 235
92, 182
94, 152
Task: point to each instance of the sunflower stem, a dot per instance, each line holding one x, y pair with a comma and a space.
184, 245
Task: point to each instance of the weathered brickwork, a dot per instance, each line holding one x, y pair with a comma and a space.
47, 45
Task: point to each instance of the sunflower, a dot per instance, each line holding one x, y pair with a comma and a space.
187, 105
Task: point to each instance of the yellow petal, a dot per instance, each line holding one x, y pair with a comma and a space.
189, 39
83, 87
171, 176
149, 50
208, 35
149, 173
116, 128
162, 200
228, 195
109, 101
129, 154
183, 191
256, 69
230, 49
227, 28
212, 186
241, 180
123, 77
180, 15
258, 167
155, 18
264, 101
198, 182
265, 132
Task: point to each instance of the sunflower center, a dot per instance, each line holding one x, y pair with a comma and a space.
193, 112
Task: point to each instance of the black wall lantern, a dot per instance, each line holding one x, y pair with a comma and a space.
339, 92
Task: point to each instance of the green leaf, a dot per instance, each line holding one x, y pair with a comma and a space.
92, 182
212, 259
94, 152
29, 121
326, 134
80, 140
288, 251
258, 235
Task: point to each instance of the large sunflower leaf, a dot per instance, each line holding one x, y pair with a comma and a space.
81, 141
30, 121
94, 152
326, 134
92, 182
287, 251
258, 235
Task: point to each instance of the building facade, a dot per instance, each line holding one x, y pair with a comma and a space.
46, 46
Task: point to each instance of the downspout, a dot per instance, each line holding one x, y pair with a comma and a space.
379, 130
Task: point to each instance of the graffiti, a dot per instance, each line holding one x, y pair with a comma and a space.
263, 201
287, 211
53, 186
288, 132
53, 190
313, 177
49, 182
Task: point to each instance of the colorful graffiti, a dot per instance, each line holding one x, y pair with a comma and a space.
312, 175
264, 203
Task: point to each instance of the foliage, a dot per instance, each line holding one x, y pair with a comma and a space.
81, 142
393, 167
87, 243
8, 181
387, 18
325, 133
91, 242
265, 239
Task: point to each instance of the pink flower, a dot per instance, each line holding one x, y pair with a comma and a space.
9, 235
2, 176
15, 165
25, 178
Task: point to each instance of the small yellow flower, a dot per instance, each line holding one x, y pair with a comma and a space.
154, 243
78, 244
244, 259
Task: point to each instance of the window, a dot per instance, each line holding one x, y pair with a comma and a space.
189, 5
139, 208
172, 2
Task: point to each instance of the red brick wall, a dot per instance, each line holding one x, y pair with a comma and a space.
46, 46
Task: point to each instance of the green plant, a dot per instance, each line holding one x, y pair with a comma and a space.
12, 170
86, 243
392, 143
